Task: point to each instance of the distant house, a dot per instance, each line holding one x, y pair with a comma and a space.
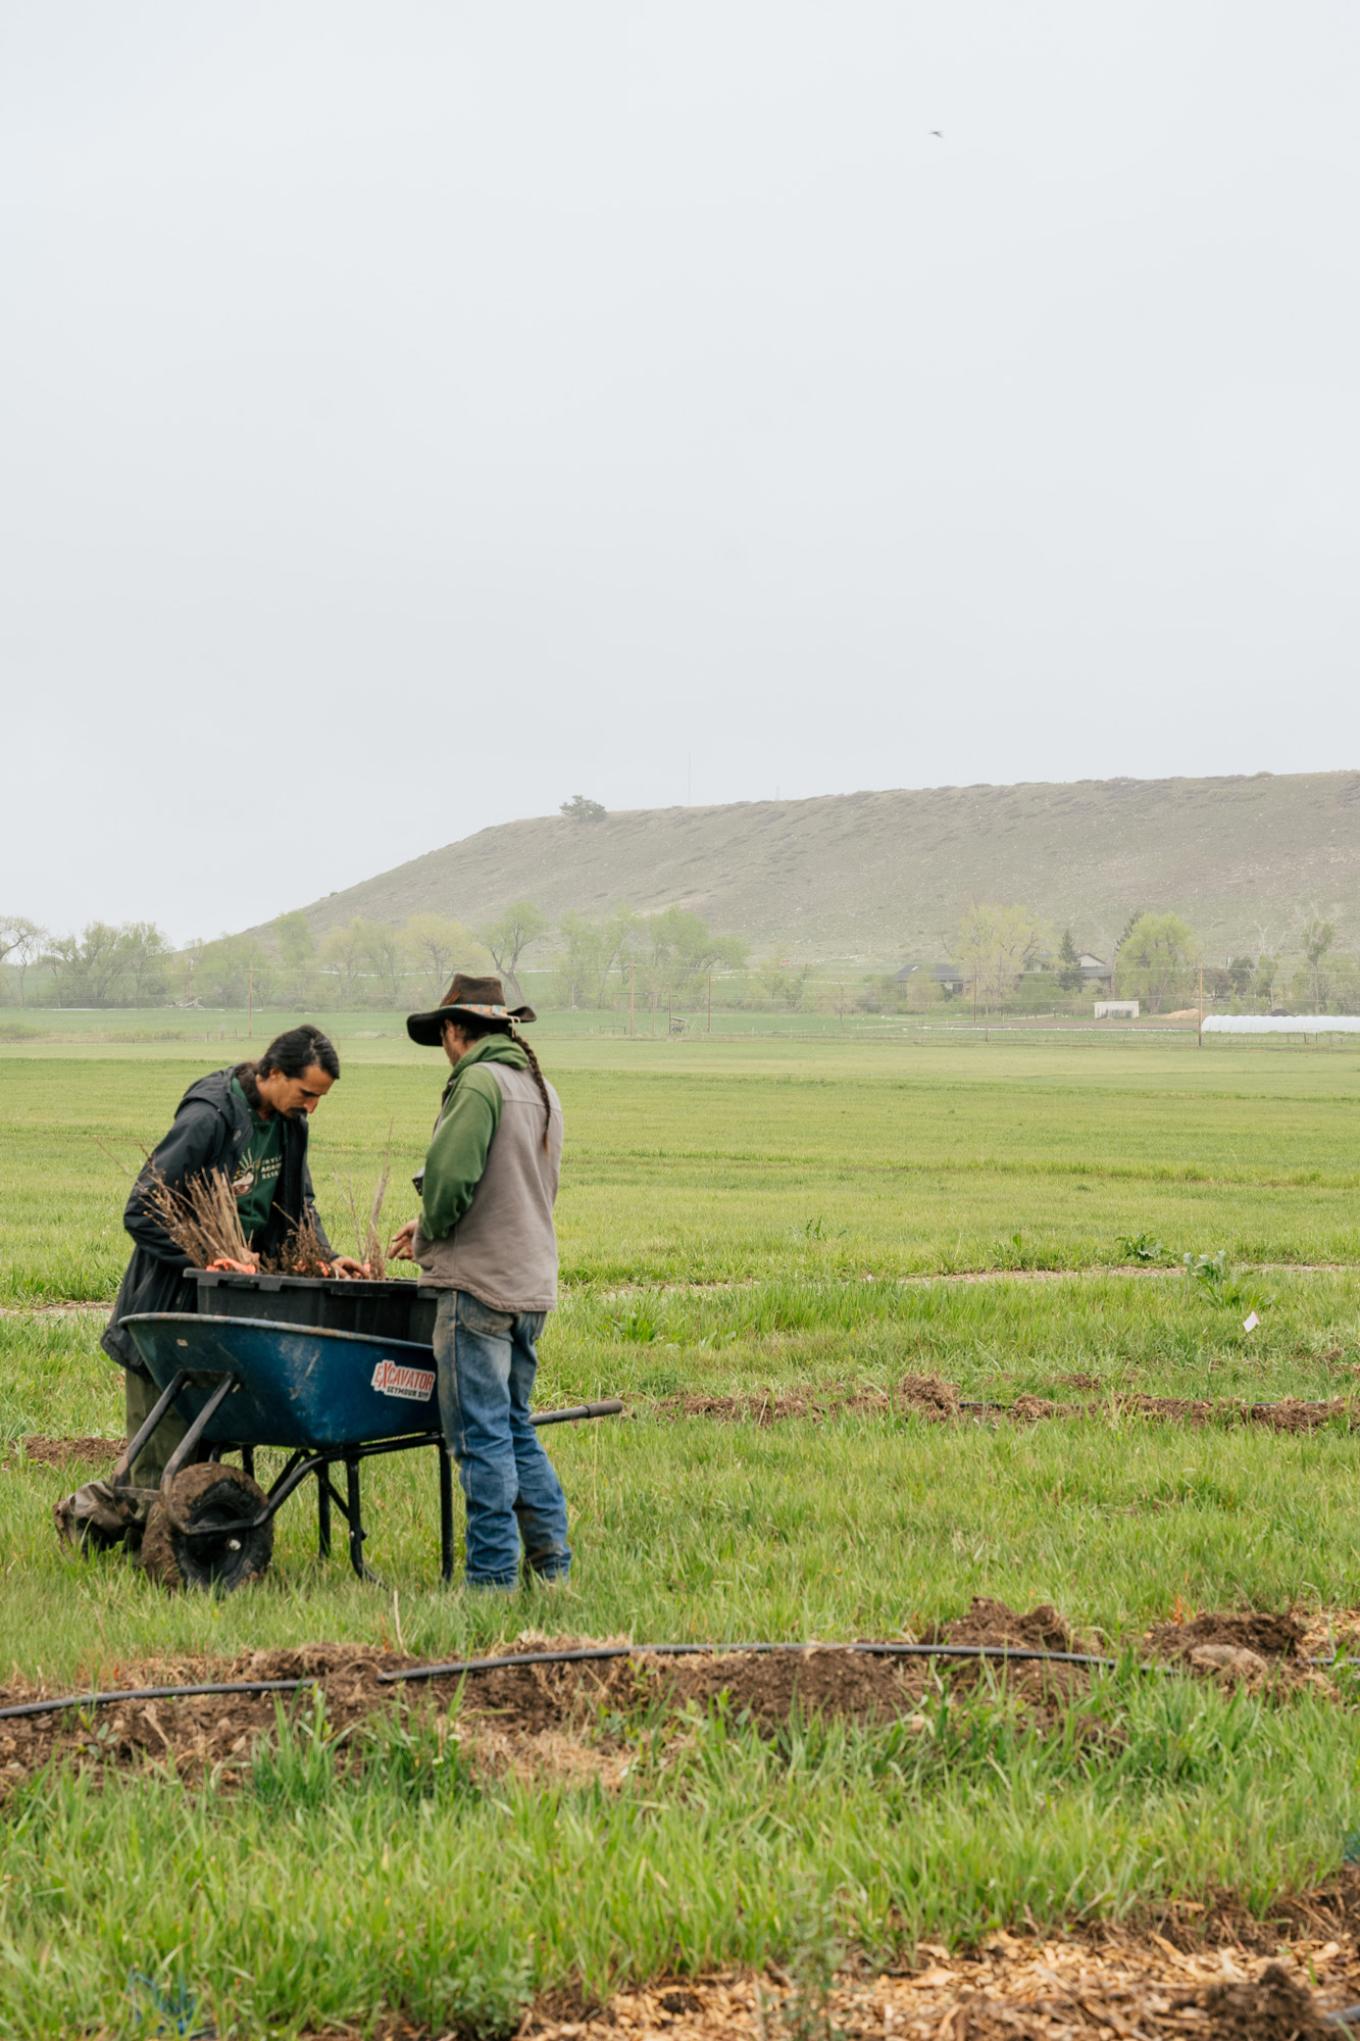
949, 977
1094, 970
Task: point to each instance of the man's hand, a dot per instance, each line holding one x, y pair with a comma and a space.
403, 1243
237, 1268
347, 1267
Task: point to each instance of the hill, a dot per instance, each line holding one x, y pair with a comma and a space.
881, 876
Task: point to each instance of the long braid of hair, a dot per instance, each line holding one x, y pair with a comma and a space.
539, 1080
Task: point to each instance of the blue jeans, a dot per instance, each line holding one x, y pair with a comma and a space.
486, 1362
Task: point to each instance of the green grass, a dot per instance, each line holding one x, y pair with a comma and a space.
315, 1895
691, 1161
736, 1217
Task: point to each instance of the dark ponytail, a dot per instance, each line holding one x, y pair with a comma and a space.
539, 1080
475, 1027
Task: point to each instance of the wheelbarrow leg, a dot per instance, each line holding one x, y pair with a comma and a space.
354, 1512
445, 1513
127, 1459
185, 1450
323, 1511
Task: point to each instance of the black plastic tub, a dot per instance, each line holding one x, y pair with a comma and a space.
377, 1310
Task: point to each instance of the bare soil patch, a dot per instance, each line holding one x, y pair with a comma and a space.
47, 1452
1258, 1630
515, 1713
569, 1716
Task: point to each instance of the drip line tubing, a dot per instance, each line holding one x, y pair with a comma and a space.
18, 1709
456, 1667
579, 1654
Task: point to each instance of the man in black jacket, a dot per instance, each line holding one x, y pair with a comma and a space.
251, 1123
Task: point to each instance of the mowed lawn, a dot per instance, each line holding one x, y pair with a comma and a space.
756, 1224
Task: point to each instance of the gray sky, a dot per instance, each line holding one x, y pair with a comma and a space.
414, 414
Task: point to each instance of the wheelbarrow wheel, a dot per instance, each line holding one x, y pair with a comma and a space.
199, 1531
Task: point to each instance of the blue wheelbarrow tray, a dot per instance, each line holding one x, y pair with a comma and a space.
296, 1385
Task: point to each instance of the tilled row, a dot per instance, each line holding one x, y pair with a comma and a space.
940, 1401
549, 1715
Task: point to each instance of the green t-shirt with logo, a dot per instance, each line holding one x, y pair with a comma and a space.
257, 1173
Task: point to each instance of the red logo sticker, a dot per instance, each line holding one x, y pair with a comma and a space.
391, 1379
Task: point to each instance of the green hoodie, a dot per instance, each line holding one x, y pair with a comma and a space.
469, 1115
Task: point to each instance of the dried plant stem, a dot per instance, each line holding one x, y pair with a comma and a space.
304, 1252
371, 1247
200, 1215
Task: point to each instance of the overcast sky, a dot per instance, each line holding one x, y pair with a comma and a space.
415, 414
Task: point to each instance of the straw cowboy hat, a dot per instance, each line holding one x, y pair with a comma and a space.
482, 996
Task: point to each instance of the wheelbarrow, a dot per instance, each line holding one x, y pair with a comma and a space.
330, 1399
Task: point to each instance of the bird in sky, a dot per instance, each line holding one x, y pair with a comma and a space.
938, 134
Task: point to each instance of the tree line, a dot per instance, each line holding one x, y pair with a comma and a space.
649, 959
1004, 958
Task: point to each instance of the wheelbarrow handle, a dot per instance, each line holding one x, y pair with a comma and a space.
609, 1408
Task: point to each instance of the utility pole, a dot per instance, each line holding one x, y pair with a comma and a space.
632, 997
710, 1003
250, 1001
1200, 1041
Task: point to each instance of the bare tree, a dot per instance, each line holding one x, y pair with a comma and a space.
510, 936
994, 945
437, 946
22, 940
1318, 937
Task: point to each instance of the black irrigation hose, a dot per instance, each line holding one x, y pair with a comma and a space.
16, 1709
458, 1666
584, 1653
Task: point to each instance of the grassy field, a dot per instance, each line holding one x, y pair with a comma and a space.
783, 1229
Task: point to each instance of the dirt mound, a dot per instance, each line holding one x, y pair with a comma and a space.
1028, 1409
992, 1622
1272, 2007
770, 1687
928, 1396
1293, 1415
90, 1452
1289, 1414
1269, 1636
767, 1686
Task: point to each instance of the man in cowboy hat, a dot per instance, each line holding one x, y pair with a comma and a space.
485, 1237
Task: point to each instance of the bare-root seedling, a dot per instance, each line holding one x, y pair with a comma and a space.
304, 1252
200, 1215
371, 1245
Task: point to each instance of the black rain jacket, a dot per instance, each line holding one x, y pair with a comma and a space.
210, 1131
